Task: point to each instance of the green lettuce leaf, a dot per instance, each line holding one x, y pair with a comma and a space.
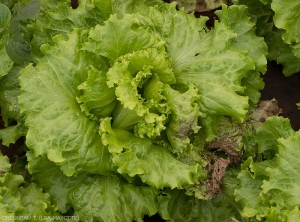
148, 69
4, 164
204, 58
58, 18
282, 52
10, 109
152, 163
121, 8
97, 99
5, 63
184, 117
56, 125
236, 17
107, 41
19, 200
175, 205
287, 17
268, 188
9, 92
282, 187
278, 26
18, 45
268, 134
94, 197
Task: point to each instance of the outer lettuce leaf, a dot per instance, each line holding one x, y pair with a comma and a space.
152, 163
19, 201
268, 189
10, 109
9, 91
118, 37
236, 17
218, 97
175, 206
248, 194
204, 58
58, 18
283, 185
110, 199
287, 17
5, 63
253, 83
277, 29
282, 53
63, 19
95, 198
56, 125
18, 43
109, 7
4, 164
11, 134
267, 135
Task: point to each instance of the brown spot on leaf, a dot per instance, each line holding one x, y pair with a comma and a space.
265, 109
201, 6
227, 143
218, 171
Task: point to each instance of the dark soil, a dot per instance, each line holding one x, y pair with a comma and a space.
286, 90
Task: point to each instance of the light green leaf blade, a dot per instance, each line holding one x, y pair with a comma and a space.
254, 84
20, 201
121, 8
17, 44
4, 164
176, 206
97, 100
282, 52
57, 126
204, 58
184, 117
155, 166
268, 134
142, 69
94, 197
109, 199
236, 18
5, 16
121, 36
287, 17
9, 92
283, 185
5, 63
